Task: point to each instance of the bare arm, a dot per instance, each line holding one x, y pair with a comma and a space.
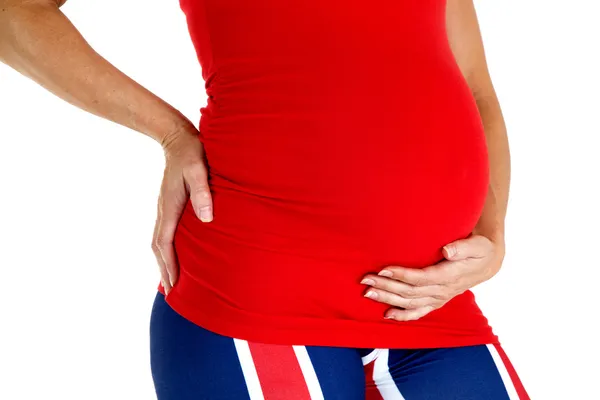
40, 42
466, 43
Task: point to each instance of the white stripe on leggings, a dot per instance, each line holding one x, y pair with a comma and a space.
249, 369
308, 370
508, 383
370, 357
383, 379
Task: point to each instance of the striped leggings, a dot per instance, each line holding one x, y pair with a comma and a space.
190, 362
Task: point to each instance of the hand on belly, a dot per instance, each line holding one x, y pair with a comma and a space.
414, 293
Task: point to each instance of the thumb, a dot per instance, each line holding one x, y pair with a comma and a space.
463, 248
200, 192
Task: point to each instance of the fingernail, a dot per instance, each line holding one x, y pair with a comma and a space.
386, 273
450, 250
172, 280
391, 316
369, 282
370, 294
205, 214
165, 287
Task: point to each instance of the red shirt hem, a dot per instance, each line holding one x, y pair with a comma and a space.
210, 313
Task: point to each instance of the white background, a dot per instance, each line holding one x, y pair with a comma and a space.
78, 198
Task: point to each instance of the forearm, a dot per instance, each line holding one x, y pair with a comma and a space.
465, 40
40, 42
491, 223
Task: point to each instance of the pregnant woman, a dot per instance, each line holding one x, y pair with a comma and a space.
319, 233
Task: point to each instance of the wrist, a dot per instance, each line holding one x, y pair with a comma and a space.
170, 139
497, 239
494, 234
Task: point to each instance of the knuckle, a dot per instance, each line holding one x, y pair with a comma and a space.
439, 296
430, 302
389, 298
410, 291
442, 294
418, 280
201, 193
443, 297
381, 295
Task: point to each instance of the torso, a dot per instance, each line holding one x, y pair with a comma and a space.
341, 137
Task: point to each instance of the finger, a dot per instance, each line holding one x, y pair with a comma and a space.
401, 288
161, 264
164, 242
171, 203
200, 195
414, 276
164, 275
398, 301
409, 315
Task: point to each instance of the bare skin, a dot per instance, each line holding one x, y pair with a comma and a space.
40, 42
35, 36
413, 293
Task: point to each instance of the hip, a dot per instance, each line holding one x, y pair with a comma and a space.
324, 372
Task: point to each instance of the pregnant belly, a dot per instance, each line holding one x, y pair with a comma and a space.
306, 203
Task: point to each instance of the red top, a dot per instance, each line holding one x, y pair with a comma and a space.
341, 138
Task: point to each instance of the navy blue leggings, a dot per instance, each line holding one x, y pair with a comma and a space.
191, 363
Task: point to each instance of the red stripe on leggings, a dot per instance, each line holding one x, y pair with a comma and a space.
279, 372
372, 390
512, 373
